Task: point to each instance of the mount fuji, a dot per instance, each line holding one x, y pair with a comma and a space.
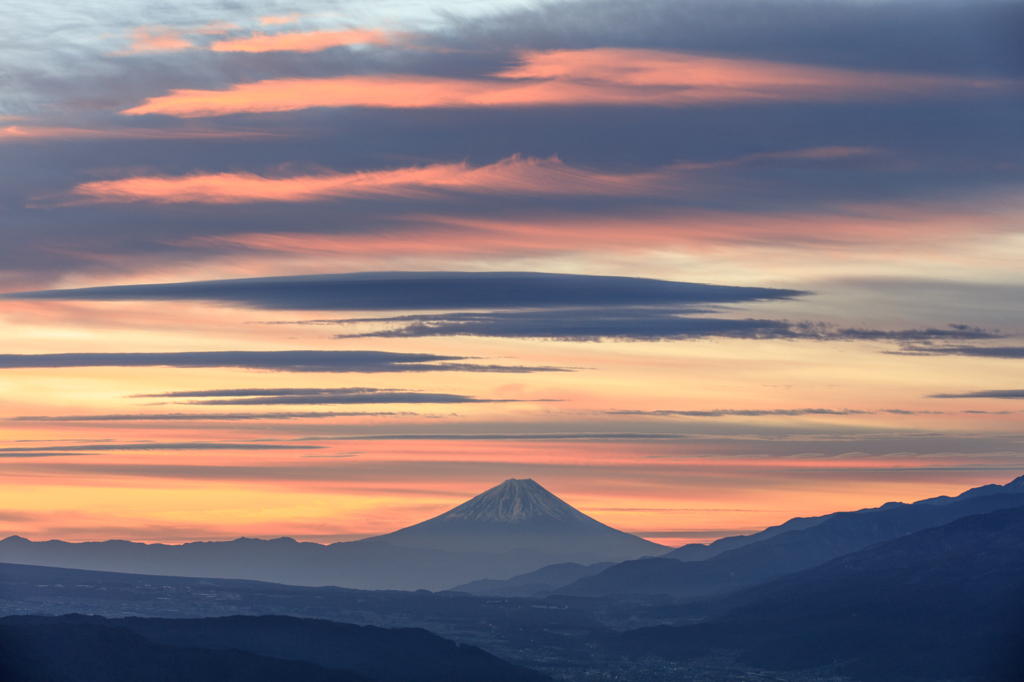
519, 514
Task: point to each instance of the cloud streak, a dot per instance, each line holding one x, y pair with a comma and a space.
636, 324
310, 41
601, 76
998, 352
426, 291
148, 446
799, 412
33, 133
514, 175
201, 416
276, 361
1010, 394
318, 396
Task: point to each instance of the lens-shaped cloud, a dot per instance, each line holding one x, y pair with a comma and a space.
427, 291
278, 361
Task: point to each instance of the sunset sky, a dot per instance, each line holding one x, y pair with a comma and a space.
326, 269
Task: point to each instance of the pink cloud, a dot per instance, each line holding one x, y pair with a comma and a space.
37, 133
273, 21
158, 39
313, 41
514, 175
606, 76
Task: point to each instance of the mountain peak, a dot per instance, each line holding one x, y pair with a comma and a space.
514, 501
519, 514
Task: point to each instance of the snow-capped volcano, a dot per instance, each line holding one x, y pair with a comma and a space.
514, 501
521, 515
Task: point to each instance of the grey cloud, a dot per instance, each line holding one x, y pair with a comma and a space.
137, 447
42, 454
583, 436
953, 331
319, 396
278, 361
1017, 394
204, 416
757, 413
734, 413
579, 325
425, 291
637, 324
1001, 352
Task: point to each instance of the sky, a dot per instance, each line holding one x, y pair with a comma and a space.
327, 269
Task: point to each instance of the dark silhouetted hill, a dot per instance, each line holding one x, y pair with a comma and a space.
60, 650
296, 648
945, 603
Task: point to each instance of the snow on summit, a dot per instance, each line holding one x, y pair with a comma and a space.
514, 501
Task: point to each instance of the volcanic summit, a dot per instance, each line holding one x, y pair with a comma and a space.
519, 514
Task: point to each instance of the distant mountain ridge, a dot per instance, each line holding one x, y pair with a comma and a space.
791, 551
515, 527
539, 583
944, 603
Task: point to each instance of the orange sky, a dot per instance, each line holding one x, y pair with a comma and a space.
863, 172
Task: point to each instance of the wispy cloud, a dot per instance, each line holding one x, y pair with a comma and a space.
148, 39
638, 323
31, 133
278, 20
158, 39
201, 416
577, 325
1001, 352
317, 396
514, 175
603, 76
311, 41
277, 361
799, 412
1011, 394
152, 446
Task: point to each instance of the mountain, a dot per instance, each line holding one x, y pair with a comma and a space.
699, 552
945, 603
539, 583
241, 648
514, 528
520, 514
787, 552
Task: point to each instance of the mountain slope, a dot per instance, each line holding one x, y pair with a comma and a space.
520, 514
699, 552
945, 603
539, 583
782, 554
